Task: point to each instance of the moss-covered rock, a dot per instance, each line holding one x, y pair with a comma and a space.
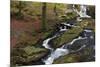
91, 24
67, 59
69, 35
86, 54
66, 37
68, 16
27, 54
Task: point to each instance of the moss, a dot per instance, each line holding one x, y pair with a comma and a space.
68, 16
69, 35
27, 55
67, 59
87, 55
91, 24
47, 34
29, 50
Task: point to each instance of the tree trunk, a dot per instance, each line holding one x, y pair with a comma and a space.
44, 16
19, 13
55, 10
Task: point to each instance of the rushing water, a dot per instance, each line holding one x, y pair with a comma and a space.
56, 54
63, 50
82, 13
59, 51
45, 43
64, 27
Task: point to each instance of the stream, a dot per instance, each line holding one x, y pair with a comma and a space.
57, 52
87, 34
86, 39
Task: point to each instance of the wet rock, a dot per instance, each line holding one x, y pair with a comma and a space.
69, 35
81, 50
87, 33
91, 11
86, 54
82, 42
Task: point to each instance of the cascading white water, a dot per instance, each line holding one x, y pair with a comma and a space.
79, 38
45, 42
65, 26
82, 13
60, 51
56, 53
61, 29
87, 30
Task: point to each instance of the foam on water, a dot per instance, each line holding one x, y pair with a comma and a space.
45, 43
58, 52
83, 11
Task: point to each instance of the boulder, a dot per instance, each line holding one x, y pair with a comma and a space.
69, 35
67, 59
86, 54
27, 55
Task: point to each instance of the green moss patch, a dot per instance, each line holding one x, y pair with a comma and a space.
69, 35
67, 59
27, 54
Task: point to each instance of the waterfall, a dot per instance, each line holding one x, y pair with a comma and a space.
45, 42
64, 50
57, 52
62, 28
61, 52
82, 13
54, 54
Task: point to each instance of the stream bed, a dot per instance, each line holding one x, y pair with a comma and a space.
84, 40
